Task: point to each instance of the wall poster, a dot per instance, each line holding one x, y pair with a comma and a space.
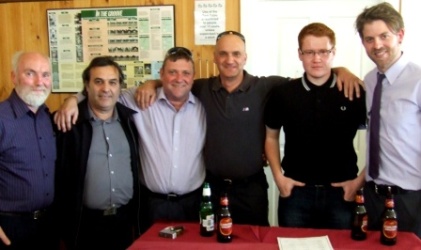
136, 37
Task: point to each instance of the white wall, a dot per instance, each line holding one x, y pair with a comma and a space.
411, 16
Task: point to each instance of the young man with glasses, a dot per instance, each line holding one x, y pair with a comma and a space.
317, 179
172, 136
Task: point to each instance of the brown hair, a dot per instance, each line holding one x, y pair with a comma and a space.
384, 12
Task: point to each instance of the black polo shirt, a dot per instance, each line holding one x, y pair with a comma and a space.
320, 125
235, 132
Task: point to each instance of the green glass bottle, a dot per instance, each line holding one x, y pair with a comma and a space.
207, 215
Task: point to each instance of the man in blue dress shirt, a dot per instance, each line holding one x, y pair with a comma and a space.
27, 157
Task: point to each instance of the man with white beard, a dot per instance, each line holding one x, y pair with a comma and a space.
27, 157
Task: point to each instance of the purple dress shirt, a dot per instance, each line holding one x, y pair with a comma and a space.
27, 157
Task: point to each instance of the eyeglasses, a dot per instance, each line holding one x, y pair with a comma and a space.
231, 32
178, 50
321, 53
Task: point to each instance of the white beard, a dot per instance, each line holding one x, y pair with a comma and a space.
34, 100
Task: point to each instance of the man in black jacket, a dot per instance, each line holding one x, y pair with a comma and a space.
98, 163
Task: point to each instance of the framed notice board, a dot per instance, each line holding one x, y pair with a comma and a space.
136, 37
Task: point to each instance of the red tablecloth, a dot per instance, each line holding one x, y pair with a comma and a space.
264, 238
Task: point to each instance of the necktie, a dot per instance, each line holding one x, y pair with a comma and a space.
374, 150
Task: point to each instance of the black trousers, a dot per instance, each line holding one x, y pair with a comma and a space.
248, 197
169, 207
25, 232
407, 207
112, 232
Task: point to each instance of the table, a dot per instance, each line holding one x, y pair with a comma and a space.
264, 238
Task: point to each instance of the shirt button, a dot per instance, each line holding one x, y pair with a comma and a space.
111, 155
112, 172
113, 190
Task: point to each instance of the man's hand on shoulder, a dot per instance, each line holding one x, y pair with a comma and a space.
348, 82
146, 94
67, 114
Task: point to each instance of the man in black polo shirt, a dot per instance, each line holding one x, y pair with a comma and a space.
318, 177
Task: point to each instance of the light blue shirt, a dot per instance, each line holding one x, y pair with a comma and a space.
171, 143
400, 124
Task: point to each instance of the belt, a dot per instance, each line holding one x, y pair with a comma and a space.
383, 189
38, 214
107, 212
219, 181
173, 196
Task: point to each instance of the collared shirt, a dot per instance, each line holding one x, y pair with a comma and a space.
109, 178
235, 133
320, 124
27, 157
171, 143
400, 124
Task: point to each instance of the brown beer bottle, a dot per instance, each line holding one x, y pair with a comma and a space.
389, 231
207, 216
224, 220
359, 221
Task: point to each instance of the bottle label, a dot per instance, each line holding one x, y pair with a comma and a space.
208, 223
390, 229
224, 201
390, 203
359, 199
364, 223
206, 192
225, 226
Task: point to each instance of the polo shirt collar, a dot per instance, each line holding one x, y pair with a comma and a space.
244, 85
330, 83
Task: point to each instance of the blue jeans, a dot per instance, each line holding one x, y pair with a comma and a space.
315, 206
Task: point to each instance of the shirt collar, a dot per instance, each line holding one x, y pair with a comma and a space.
395, 70
94, 118
161, 96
